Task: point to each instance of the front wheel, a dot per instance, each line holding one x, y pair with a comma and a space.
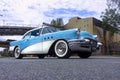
61, 49
17, 53
85, 54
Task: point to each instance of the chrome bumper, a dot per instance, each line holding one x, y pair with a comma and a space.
81, 45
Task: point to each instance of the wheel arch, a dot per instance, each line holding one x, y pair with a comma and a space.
51, 49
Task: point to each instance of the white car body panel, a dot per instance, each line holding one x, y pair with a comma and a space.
33, 49
47, 45
38, 48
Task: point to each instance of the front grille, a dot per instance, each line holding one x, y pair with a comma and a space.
85, 46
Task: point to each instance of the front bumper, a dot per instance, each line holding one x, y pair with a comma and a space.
82, 45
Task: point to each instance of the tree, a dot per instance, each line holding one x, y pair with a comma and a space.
115, 3
110, 19
57, 23
111, 16
53, 22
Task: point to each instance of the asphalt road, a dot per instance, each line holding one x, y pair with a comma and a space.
94, 68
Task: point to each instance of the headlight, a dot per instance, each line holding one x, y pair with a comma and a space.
78, 33
95, 37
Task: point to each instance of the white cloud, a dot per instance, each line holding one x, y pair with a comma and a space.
38, 11
33, 11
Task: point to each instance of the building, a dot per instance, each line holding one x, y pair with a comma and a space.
94, 26
91, 25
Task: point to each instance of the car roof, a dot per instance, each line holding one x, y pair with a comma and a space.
36, 29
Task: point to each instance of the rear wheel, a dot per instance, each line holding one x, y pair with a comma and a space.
61, 49
85, 54
17, 53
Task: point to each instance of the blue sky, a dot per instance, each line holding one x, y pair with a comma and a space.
61, 11
38, 11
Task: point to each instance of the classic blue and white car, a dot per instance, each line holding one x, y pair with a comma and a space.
55, 42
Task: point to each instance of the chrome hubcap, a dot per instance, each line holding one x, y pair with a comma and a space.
61, 48
17, 52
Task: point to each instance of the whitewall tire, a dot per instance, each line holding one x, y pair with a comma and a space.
17, 53
61, 49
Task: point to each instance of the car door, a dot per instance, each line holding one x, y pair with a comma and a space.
47, 38
33, 44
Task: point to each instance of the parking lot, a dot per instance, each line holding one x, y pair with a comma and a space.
74, 68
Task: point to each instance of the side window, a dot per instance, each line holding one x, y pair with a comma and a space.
45, 30
49, 30
35, 33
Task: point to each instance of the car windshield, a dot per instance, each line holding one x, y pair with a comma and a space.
27, 36
32, 33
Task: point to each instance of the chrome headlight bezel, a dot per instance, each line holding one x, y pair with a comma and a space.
78, 33
95, 37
